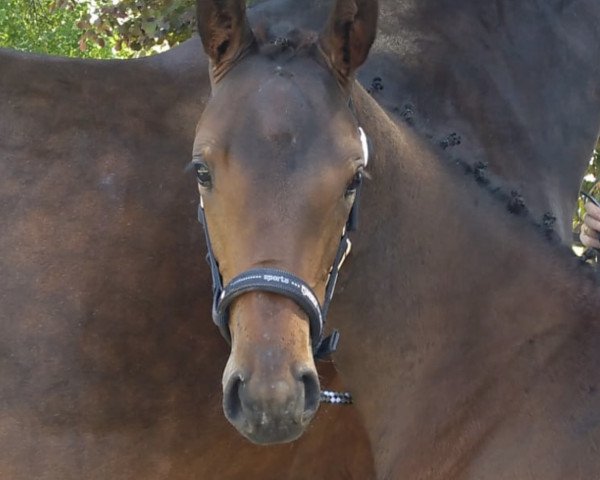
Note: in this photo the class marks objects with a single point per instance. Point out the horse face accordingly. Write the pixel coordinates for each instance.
(277, 153)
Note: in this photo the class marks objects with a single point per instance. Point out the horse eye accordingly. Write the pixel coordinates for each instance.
(354, 183)
(203, 175)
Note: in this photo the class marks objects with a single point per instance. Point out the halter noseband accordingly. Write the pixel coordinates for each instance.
(284, 283)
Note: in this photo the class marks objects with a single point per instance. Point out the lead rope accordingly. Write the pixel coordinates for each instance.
(336, 398)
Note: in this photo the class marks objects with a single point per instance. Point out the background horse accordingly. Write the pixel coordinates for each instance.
(511, 86)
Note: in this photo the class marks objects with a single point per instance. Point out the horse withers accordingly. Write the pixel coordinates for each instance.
(279, 158)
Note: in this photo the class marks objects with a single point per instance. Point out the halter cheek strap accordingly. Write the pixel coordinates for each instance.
(279, 282)
(284, 283)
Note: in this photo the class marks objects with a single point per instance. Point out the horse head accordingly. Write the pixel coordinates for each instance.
(279, 156)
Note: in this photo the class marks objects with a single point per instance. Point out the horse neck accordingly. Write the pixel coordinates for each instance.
(446, 295)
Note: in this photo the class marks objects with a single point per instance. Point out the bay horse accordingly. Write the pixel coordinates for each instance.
(108, 359)
(91, 190)
(474, 356)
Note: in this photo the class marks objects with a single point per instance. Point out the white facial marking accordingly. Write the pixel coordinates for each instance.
(365, 145)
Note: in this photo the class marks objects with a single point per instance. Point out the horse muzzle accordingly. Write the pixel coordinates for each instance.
(273, 411)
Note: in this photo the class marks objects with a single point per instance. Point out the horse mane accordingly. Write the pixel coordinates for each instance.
(585, 295)
(514, 204)
(511, 198)
(477, 169)
(581, 278)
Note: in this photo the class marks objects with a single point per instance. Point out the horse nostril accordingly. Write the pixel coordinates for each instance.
(232, 404)
(312, 394)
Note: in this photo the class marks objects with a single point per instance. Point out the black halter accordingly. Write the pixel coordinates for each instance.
(284, 283)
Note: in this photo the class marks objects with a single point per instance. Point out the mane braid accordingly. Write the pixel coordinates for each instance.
(513, 200)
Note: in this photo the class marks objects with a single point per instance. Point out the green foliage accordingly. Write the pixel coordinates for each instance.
(96, 28)
(591, 185)
(139, 26)
(42, 26)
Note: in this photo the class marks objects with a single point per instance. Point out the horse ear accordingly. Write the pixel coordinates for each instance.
(224, 31)
(349, 34)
